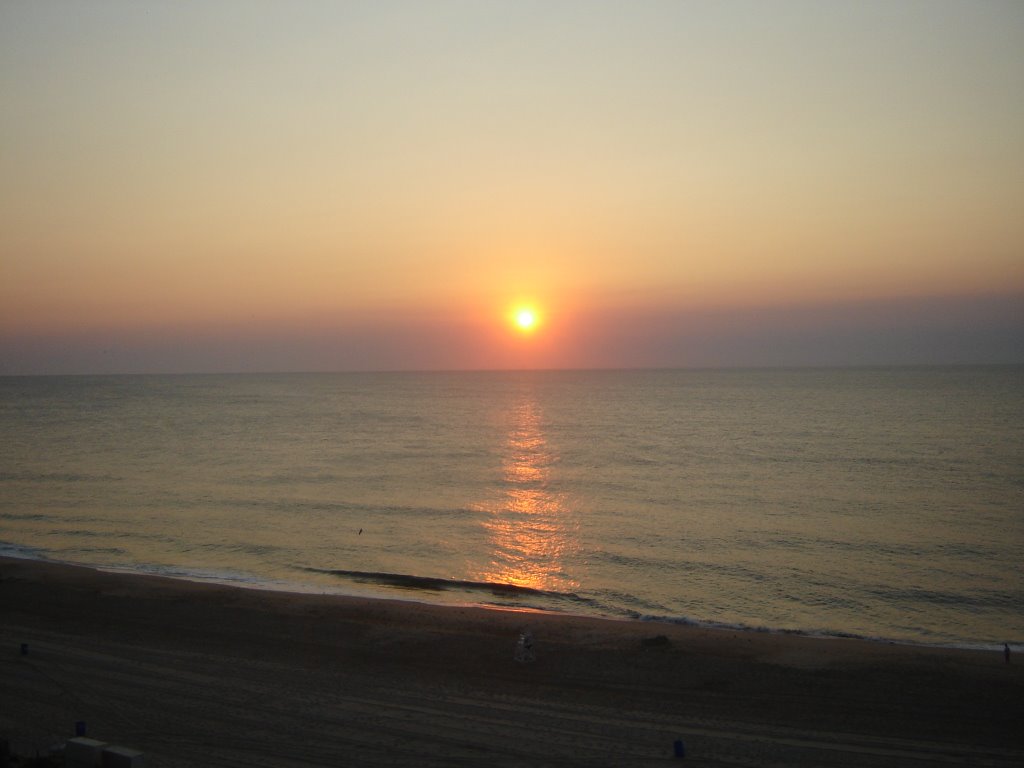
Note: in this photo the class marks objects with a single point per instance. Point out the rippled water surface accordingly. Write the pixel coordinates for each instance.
(884, 502)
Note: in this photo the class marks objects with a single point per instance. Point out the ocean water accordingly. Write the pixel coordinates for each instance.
(883, 503)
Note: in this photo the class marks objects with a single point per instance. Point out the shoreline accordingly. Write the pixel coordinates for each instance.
(200, 673)
(410, 594)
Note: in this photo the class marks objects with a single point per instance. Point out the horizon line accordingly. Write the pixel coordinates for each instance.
(442, 371)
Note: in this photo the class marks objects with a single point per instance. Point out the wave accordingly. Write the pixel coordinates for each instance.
(823, 633)
(438, 584)
(57, 477)
(20, 551)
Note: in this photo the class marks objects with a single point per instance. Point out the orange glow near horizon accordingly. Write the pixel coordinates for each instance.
(454, 215)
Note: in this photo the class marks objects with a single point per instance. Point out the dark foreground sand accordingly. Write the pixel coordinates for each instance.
(203, 675)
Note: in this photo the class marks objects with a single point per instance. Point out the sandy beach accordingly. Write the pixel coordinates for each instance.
(199, 674)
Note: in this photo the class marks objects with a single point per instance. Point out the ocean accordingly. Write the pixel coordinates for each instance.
(883, 503)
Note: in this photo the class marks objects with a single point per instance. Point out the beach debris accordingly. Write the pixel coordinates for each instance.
(658, 641)
(524, 647)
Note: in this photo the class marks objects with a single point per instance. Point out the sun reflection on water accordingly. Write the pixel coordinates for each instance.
(530, 526)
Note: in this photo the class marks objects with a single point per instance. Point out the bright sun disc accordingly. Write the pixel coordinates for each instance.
(526, 319)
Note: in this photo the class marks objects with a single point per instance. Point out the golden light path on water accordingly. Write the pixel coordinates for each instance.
(531, 528)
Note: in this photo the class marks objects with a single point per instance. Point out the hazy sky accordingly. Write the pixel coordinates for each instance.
(208, 186)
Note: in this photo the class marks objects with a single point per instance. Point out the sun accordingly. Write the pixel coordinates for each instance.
(525, 318)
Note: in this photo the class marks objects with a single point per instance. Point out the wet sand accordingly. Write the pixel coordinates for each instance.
(199, 674)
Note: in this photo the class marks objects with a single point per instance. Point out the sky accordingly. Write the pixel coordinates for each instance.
(316, 186)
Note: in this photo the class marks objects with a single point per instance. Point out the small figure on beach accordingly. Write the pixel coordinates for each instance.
(524, 647)
(1006, 652)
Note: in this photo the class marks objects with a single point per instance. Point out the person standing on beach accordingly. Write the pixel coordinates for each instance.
(1006, 652)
